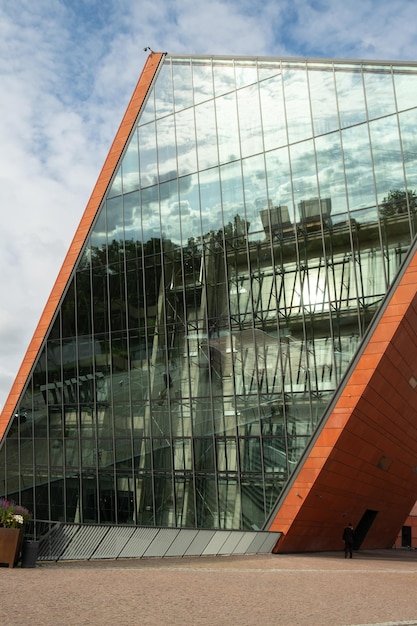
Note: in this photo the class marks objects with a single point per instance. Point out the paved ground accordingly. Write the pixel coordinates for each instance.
(375, 587)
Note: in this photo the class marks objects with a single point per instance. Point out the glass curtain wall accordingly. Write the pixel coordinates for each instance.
(259, 213)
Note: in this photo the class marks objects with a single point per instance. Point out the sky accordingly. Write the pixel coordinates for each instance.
(67, 71)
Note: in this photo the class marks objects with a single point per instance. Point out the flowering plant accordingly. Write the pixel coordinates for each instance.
(13, 515)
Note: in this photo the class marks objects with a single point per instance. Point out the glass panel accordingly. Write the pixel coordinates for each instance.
(304, 180)
(114, 221)
(246, 73)
(147, 154)
(189, 205)
(184, 498)
(132, 223)
(268, 69)
(83, 302)
(117, 296)
(224, 77)
(167, 159)
(379, 94)
(151, 220)
(279, 192)
(229, 502)
(256, 200)
(232, 196)
(202, 81)
(98, 233)
(68, 306)
(297, 104)
(253, 511)
(227, 128)
(407, 125)
(163, 90)
(331, 174)
(207, 506)
(407, 128)
(273, 113)
(249, 120)
(183, 86)
(405, 87)
(116, 187)
(211, 217)
(164, 501)
(206, 135)
(359, 170)
(186, 142)
(169, 211)
(130, 165)
(323, 101)
(147, 113)
(389, 173)
(182, 454)
(350, 97)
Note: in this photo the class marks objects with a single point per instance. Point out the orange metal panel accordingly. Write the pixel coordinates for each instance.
(93, 205)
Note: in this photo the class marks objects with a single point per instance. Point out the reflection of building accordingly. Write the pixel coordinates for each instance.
(207, 362)
(315, 210)
(276, 220)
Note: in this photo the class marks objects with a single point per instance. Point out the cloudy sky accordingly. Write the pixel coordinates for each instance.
(67, 71)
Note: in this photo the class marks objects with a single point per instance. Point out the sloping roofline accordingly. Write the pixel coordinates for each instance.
(369, 63)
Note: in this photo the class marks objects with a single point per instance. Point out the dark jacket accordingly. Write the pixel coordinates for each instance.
(348, 536)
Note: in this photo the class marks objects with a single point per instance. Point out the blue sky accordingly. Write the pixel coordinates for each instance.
(67, 71)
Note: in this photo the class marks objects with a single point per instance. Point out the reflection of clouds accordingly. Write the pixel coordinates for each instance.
(202, 82)
(273, 112)
(379, 94)
(116, 187)
(350, 98)
(130, 181)
(297, 104)
(227, 128)
(183, 208)
(405, 90)
(186, 142)
(323, 101)
(163, 91)
(387, 156)
(224, 77)
(342, 171)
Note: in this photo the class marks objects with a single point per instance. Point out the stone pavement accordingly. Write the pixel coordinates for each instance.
(375, 587)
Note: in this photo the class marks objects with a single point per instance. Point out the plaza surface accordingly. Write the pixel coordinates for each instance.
(375, 587)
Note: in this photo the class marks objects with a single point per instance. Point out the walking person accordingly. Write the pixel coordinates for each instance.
(349, 538)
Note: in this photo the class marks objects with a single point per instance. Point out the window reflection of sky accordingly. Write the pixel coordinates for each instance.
(338, 163)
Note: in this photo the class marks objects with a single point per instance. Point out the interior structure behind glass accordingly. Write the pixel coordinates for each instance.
(259, 213)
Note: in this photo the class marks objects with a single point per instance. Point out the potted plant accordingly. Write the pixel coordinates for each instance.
(13, 519)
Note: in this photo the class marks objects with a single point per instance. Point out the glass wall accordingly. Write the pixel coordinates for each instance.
(257, 218)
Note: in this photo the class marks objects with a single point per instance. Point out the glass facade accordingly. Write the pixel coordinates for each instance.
(258, 215)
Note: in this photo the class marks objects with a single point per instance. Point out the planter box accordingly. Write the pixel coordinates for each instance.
(10, 545)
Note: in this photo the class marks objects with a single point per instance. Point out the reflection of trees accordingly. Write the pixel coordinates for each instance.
(397, 202)
(233, 235)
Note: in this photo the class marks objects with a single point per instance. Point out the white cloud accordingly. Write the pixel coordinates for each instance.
(67, 70)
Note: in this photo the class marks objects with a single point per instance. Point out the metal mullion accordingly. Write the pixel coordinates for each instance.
(204, 276)
(381, 242)
(397, 115)
(351, 239)
(227, 297)
(253, 314)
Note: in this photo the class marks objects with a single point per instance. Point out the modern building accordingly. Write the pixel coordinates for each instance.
(231, 343)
